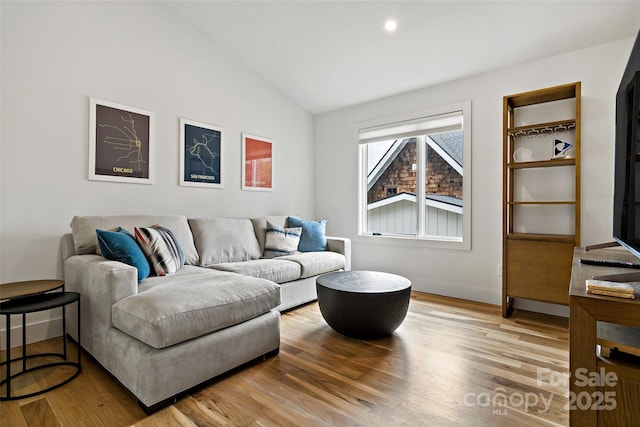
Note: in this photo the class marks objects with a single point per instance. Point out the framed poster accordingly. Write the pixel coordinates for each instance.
(200, 154)
(119, 143)
(257, 163)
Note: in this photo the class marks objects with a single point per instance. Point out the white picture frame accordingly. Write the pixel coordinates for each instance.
(257, 163)
(201, 154)
(120, 143)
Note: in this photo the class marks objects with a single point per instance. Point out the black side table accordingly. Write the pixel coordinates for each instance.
(31, 304)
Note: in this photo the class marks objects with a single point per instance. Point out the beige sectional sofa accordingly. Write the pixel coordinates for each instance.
(166, 334)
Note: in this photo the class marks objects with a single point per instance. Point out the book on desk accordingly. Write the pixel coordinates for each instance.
(612, 289)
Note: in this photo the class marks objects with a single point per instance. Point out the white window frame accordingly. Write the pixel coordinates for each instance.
(404, 124)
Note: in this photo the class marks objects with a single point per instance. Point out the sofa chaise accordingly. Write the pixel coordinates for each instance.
(163, 335)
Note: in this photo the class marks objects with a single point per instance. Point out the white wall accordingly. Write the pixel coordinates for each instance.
(55, 55)
(474, 274)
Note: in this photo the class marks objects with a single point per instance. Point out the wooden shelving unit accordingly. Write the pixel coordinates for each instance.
(536, 256)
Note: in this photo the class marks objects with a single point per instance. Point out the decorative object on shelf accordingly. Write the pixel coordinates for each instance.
(200, 155)
(522, 155)
(534, 130)
(119, 143)
(257, 163)
(562, 149)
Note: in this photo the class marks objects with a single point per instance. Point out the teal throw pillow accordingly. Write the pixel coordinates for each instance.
(313, 234)
(121, 246)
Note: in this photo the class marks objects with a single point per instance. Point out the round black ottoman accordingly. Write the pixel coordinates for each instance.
(363, 304)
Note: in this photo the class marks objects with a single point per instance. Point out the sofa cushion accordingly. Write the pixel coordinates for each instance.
(260, 227)
(276, 270)
(122, 246)
(161, 247)
(313, 234)
(281, 241)
(224, 240)
(86, 241)
(191, 303)
(314, 263)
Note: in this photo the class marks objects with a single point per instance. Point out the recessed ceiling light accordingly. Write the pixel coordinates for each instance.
(390, 26)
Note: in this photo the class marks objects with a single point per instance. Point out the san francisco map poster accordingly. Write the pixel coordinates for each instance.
(200, 154)
(119, 143)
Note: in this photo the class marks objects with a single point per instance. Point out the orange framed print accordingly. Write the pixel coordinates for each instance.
(257, 163)
(120, 143)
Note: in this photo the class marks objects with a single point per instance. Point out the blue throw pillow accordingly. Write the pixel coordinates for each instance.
(313, 234)
(121, 246)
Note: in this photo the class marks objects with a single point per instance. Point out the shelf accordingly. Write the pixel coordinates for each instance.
(543, 163)
(539, 202)
(556, 93)
(542, 128)
(562, 238)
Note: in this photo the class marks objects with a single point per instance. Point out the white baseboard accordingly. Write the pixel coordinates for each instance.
(36, 331)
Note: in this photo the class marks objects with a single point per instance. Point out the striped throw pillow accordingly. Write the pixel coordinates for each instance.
(281, 241)
(161, 248)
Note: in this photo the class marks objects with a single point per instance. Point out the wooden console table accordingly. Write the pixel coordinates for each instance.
(621, 406)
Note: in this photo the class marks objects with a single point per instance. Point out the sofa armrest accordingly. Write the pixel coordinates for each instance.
(100, 283)
(100, 280)
(66, 246)
(341, 245)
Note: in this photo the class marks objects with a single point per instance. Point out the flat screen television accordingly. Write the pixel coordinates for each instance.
(626, 185)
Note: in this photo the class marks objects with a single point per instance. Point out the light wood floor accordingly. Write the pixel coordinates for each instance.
(449, 364)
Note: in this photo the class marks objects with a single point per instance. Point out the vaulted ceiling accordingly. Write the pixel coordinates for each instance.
(326, 55)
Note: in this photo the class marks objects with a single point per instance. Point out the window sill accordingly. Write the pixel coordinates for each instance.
(413, 241)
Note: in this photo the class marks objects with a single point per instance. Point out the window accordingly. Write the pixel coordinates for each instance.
(415, 177)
